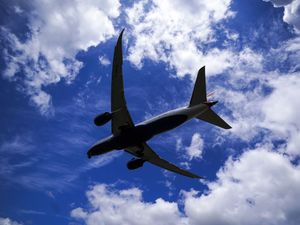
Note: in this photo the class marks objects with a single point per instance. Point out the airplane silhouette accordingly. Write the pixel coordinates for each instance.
(132, 138)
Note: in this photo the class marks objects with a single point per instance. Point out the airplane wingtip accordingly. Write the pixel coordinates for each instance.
(121, 34)
(198, 177)
(119, 42)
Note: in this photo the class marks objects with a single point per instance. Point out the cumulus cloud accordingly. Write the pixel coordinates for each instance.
(104, 61)
(260, 95)
(57, 31)
(261, 187)
(245, 110)
(111, 206)
(268, 108)
(8, 221)
(196, 147)
(291, 11)
(164, 33)
(281, 110)
(292, 14)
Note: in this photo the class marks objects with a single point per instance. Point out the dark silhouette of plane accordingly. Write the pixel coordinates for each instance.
(132, 138)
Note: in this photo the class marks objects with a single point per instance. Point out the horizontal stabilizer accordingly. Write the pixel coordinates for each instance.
(211, 117)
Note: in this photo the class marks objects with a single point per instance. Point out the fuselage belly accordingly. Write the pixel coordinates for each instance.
(144, 131)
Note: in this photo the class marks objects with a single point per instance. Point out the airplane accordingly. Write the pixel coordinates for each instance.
(132, 138)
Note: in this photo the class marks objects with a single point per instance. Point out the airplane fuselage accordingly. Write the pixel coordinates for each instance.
(142, 132)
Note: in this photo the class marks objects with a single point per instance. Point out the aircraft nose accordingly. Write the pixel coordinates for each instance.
(97, 149)
(92, 150)
(89, 154)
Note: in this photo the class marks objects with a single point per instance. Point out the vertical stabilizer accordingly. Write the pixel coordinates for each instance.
(199, 92)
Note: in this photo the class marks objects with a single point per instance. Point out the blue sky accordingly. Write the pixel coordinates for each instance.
(56, 76)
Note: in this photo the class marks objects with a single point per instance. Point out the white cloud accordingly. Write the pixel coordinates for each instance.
(57, 32)
(18, 9)
(292, 14)
(291, 11)
(196, 147)
(104, 61)
(110, 206)
(8, 221)
(171, 32)
(271, 116)
(281, 109)
(287, 54)
(261, 187)
(245, 108)
(180, 38)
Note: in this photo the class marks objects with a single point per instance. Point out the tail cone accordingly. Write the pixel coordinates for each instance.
(210, 104)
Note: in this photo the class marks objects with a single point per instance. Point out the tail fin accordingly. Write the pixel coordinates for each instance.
(199, 97)
(199, 92)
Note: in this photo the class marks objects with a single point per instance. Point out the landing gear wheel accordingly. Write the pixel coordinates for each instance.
(140, 153)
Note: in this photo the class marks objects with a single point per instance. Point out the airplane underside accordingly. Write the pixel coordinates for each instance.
(132, 138)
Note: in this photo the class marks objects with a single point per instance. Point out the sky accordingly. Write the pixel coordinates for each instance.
(55, 78)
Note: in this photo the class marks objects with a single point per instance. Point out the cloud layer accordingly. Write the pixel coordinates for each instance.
(57, 32)
(163, 33)
(261, 187)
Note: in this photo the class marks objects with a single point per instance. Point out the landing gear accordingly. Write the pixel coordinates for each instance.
(140, 152)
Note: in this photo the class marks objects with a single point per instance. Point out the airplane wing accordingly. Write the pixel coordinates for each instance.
(121, 117)
(150, 156)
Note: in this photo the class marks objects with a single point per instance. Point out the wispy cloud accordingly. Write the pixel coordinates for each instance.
(36, 163)
(34, 212)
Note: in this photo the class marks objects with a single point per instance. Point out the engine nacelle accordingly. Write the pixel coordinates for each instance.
(135, 163)
(102, 118)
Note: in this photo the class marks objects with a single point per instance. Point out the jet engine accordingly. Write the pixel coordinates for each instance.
(102, 118)
(135, 163)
